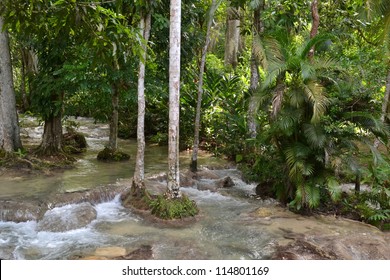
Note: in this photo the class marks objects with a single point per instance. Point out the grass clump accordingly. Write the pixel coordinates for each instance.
(176, 208)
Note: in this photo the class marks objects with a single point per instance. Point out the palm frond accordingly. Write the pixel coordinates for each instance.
(306, 195)
(277, 100)
(315, 94)
(308, 71)
(267, 52)
(315, 135)
(334, 189)
(319, 39)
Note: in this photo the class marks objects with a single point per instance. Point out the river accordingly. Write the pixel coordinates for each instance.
(232, 224)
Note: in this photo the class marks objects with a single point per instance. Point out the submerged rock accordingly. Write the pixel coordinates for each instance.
(21, 211)
(145, 252)
(67, 218)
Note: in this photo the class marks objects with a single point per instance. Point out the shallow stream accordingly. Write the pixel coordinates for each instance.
(232, 224)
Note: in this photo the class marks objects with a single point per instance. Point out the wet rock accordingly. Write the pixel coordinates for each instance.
(214, 185)
(302, 250)
(145, 252)
(110, 252)
(67, 218)
(93, 196)
(354, 246)
(265, 190)
(187, 179)
(207, 174)
(74, 142)
(110, 155)
(21, 211)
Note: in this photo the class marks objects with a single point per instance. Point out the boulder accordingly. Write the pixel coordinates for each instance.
(214, 185)
(68, 217)
(21, 211)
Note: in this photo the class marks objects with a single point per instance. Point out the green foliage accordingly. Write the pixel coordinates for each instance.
(176, 208)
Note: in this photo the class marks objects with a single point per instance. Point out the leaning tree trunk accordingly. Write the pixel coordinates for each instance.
(113, 137)
(255, 76)
(9, 127)
(173, 184)
(232, 40)
(194, 160)
(139, 174)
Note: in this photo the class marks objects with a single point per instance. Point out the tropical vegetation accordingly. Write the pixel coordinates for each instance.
(296, 93)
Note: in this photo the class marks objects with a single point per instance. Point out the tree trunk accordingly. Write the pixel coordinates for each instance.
(232, 37)
(173, 184)
(29, 61)
(113, 137)
(52, 136)
(194, 160)
(315, 24)
(386, 98)
(139, 174)
(9, 127)
(23, 80)
(255, 76)
(385, 105)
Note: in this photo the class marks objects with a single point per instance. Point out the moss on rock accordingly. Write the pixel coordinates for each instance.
(74, 142)
(112, 155)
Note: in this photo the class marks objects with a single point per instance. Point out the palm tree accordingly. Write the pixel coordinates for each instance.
(294, 95)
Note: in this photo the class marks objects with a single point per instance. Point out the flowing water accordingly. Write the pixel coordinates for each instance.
(227, 227)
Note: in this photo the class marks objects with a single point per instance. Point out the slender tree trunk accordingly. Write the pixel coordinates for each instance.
(9, 127)
(255, 76)
(139, 174)
(194, 160)
(23, 80)
(315, 24)
(386, 98)
(173, 184)
(232, 37)
(385, 105)
(113, 137)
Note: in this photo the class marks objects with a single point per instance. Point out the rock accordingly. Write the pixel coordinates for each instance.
(214, 185)
(21, 211)
(110, 252)
(207, 174)
(225, 182)
(263, 212)
(187, 179)
(354, 246)
(145, 252)
(93, 196)
(112, 155)
(265, 190)
(67, 218)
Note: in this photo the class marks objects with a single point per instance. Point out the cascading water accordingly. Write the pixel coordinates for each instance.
(232, 225)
